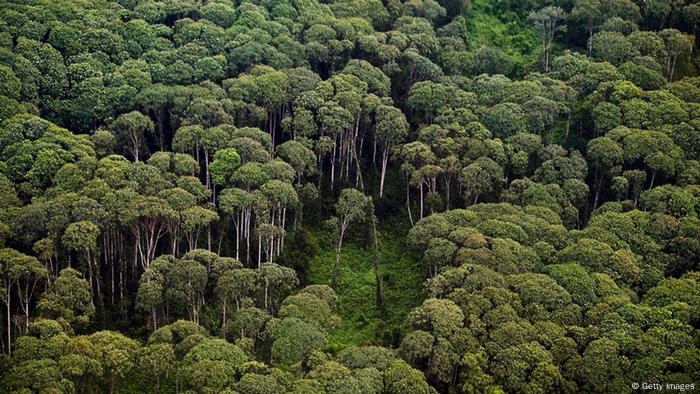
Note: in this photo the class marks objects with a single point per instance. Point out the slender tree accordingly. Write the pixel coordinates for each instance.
(350, 208)
(547, 23)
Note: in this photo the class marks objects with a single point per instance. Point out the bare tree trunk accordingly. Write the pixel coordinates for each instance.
(267, 286)
(421, 200)
(335, 147)
(223, 312)
(155, 318)
(408, 202)
(206, 170)
(8, 301)
(374, 150)
(339, 245)
(673, 67)
(599, 184)
(377, 275)
(208, 237)
(385, 158)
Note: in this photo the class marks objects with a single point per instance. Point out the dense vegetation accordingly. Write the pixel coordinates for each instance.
(349, 196)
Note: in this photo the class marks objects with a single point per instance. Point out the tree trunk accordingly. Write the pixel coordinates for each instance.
(339, 245)
(267, 287)
(385, 157)
(421, 200)
(223, 313)
(154, 317)
(206, 170)
(597, 191)
(8, 300)
(448, 183)
(408, 201)
(377, 275)
(673, 67)
(335, 146)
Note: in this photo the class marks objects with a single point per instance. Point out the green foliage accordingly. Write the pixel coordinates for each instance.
(224, 164)
(487, 196)
(69, 298)
(361, 320)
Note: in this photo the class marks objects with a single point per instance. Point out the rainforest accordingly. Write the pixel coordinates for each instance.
(349, 196)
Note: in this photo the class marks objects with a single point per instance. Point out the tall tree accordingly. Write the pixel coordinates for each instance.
(390, 130)
(547, 23)
(23, 273)
(677, 44)
(69, 297)
(82, 237)
(590, 12)
(130, 129)
(350, 208)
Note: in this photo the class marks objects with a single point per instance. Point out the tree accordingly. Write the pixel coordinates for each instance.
(605, 154)
(36, 375)
(232, 286)
(492, 61)
(602, 366)
(238, 203)
(301, 158)
(248, 323)
(350, 208)
(212, 364)
(473, 375)
(366, 357)
(69, 297)
(223, 166)
(187, 281)
(151, 296)
(130, 130)
(659, 162)
(482, 176)
(527, 366)
(691, 13)
(414, 156)
(541, 114)
(505, 119)
(401, 378)
(293, 339)
(252, 383)
(390, 130)
(606, 116)
(158, 360)
(612, 47)
(427, 98)
(117, 354)
(546, 22)
(276, 281)
(10, 83)
(150, 218)
(23, 272)
(591, 13)
(82, 236)
(677, 44)
(193, 220)
(310, 308)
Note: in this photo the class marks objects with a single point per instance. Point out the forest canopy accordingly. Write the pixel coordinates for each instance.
(340, 196)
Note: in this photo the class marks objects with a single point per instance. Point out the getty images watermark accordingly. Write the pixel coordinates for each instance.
(663, 386)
